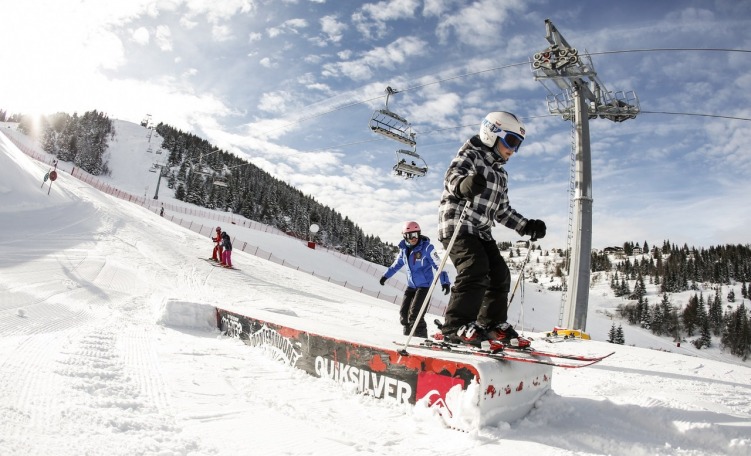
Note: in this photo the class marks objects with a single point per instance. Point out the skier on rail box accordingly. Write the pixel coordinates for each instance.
(478, 307)
(416, 251)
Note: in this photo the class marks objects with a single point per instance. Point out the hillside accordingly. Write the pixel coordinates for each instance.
(106, 348)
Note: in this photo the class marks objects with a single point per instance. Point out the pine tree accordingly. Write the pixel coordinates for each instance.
(620, 339)
(737, 334)
(705, 335)
(624, 290)
(690, 315)
(611, 334)
(656, 320)
(640, 290)
(715, 313)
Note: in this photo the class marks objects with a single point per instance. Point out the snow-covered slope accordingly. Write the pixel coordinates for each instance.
(107, 347)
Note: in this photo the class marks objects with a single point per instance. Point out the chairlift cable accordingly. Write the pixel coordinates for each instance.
(717, 116)
(627, 51)
(436, 130)
(502, 67)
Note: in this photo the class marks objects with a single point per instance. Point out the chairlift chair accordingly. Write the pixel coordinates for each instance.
(392, 125)
(198, 169)
(409, 164)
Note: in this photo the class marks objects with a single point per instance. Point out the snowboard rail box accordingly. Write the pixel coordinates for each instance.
(467, 391)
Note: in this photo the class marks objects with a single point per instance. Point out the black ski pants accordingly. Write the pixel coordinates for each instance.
(410, 309)
(483, 281)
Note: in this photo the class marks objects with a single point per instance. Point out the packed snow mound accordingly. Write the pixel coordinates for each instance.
(183, 314)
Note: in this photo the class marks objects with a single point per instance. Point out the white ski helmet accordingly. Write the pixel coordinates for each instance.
(504, 126)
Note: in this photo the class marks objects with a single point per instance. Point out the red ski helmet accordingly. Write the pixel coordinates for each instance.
(411, 227)
(218, 229)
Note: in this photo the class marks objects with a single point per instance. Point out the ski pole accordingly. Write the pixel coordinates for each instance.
(457, 228)
(521, 273)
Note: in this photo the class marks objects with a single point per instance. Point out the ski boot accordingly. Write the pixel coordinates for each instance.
(469, 334)
(503, 334)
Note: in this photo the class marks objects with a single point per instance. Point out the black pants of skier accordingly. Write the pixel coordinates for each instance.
(410, 309)
(483, 281)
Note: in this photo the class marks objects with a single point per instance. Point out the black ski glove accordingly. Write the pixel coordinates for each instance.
(446, 288)
(383, 280)
(472, 185)
(535, 229)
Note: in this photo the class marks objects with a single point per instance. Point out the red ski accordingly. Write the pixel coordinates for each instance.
(515, 355)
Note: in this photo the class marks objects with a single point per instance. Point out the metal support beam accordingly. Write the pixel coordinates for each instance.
(575, 311)
(583, 97)
(158, 182)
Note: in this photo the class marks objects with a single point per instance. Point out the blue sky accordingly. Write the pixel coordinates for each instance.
(291, 85)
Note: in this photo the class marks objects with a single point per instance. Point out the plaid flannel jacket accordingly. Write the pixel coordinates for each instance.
(490, 206)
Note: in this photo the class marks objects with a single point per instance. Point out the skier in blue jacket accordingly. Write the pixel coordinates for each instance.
(416, 251)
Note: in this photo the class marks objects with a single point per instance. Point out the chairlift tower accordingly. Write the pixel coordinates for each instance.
(583, 96)
(161, 170)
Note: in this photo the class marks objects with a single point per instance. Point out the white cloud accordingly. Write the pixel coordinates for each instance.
(480, 23)
(289, 26)
(141, 36)
(188, 23)
(221, 33)
(396, 53)
(163, 38)
(216, 11)
(371, 19)
(436, 7)
(267, 62)
(332, 28)
(275, 102)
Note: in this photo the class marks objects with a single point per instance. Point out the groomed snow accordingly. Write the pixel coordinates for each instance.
(108, 347)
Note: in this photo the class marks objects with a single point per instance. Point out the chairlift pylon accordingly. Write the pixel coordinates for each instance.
(392, 125)
(409, 164)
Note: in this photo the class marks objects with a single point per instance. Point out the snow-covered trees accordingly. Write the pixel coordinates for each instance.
(255, 194)
(615, 335)
(82, 140)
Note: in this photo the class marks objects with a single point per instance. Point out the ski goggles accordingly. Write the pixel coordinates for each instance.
(412, 235)
(511, 140)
